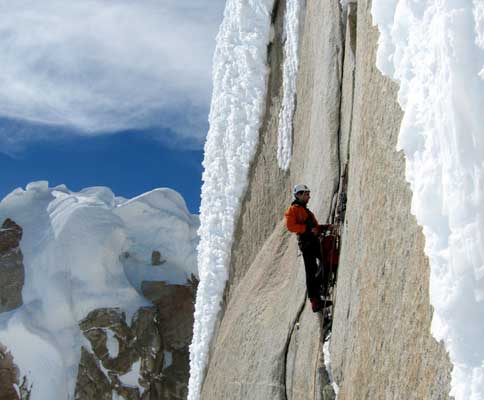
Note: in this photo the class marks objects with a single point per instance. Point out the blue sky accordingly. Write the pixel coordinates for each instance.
(106, 93)
(130, 163)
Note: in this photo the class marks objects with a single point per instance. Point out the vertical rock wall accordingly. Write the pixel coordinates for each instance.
(381, 346)
(248, 360)
(317, 118)
(268, 344)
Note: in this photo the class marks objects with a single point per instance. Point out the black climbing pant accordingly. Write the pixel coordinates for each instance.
(315, 276)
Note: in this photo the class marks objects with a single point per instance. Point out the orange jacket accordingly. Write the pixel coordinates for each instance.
(296, 216)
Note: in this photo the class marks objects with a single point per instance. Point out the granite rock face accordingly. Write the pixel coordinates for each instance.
(268, 343)
(12, 273)
(382, 347)
(248, 360)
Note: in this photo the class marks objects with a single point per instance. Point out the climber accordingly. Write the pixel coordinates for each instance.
(300, 220)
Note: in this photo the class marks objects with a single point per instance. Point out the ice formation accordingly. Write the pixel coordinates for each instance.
(240, 85)
(289, 75)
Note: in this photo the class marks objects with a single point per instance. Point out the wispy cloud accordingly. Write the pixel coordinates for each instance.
(99, 66)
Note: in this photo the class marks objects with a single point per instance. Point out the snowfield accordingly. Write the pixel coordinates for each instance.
(74, 246)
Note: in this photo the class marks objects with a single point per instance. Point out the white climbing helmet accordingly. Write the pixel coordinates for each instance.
(299, 188)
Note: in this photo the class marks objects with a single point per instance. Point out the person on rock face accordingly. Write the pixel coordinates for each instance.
(300, 220)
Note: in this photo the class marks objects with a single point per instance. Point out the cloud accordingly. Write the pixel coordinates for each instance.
(102, 66)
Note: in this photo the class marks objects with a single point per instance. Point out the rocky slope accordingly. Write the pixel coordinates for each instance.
(268, 343)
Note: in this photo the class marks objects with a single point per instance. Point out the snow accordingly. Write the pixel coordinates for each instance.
(167, 359)
(132, 376)
(17, 389)
(289, 75)
(111, 343)
(36, 355)
(143, 215)
(73, 245)
(238, 103)
(329, 368)
(159, 220)
(435, 50)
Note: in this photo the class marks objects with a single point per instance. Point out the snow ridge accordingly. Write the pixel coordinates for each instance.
(238, 103)
(74, 246)
(434, 49)
(289, 75)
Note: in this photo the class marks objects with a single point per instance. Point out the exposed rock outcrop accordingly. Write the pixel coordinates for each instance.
(12, 274)
(175, 306)
(152, 351)
(9, 376)
(268, 344)
(12, 386)
(156, 258)
(92, 383)
(118, 349)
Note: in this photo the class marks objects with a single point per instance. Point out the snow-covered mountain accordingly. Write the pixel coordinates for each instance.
(84, 252)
